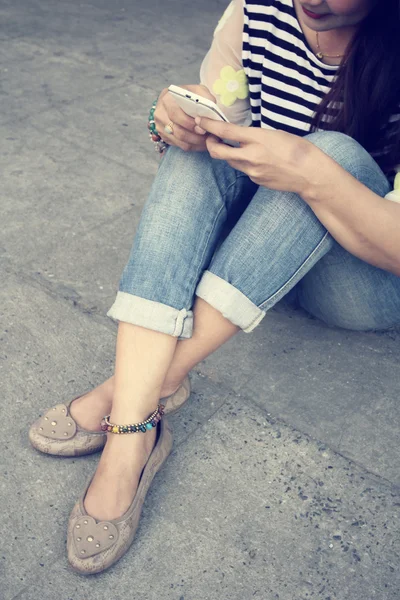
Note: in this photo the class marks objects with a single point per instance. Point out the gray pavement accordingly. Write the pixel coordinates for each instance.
(284, 481)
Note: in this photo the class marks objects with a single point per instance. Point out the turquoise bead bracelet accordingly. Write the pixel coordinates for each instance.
(155, 137)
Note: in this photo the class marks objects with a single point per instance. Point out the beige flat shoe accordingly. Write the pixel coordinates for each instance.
(58, 434)
(93, 546)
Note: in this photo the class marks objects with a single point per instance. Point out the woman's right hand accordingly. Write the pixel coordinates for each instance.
(186, 134)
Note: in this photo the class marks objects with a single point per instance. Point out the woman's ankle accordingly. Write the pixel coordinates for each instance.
(170, 386)
(131, 411)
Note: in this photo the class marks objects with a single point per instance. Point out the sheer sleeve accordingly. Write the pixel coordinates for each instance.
(222, 69)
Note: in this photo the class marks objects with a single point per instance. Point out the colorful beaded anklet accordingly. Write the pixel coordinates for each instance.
(146, 425)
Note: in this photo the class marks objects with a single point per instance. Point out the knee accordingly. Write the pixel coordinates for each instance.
(178, 175)
(350, 155)
(336, 143)
(183, 163)
(193, 170)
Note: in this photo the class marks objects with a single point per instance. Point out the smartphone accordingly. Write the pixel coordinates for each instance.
(198, 106)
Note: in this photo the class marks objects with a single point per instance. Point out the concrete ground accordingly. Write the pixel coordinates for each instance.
(284, 481)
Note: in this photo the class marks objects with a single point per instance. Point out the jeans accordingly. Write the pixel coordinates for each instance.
(207, 230)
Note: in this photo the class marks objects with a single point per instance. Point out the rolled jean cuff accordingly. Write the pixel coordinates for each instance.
(152, 315)
(229, 301)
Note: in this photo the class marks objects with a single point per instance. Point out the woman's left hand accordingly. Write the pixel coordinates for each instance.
(271, 158)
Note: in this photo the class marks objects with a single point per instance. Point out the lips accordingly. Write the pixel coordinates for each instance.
(313, 15)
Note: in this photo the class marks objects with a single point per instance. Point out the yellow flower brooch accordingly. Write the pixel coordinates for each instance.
(232, 85)
(395, 194)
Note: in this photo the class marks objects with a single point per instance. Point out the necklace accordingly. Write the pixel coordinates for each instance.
(321, 55)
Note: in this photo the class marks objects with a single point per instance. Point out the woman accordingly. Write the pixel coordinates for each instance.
(309, 214)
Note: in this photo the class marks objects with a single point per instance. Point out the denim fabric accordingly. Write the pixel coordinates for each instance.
(181, 249)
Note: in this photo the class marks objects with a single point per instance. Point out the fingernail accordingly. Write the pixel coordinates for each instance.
(197, 120)
(199, 130)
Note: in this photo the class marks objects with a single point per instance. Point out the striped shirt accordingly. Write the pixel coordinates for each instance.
(286, 80)
(263, 72)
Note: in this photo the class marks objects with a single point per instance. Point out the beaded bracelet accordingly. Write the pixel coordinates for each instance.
(155, 137)
(144, 426)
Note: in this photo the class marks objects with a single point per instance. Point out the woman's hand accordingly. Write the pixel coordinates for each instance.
(273, 159)
(184, 136)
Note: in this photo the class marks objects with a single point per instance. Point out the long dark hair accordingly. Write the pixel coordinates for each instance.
(367, 87)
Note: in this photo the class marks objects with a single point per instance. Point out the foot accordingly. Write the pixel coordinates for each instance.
(117, 477)
(88, 410)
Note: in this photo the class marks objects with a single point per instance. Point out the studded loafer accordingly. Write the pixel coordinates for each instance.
(58, 434)
(93, 546)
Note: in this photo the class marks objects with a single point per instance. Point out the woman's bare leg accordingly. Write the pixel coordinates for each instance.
(147, 363)
(136, 395)
(210, 331)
